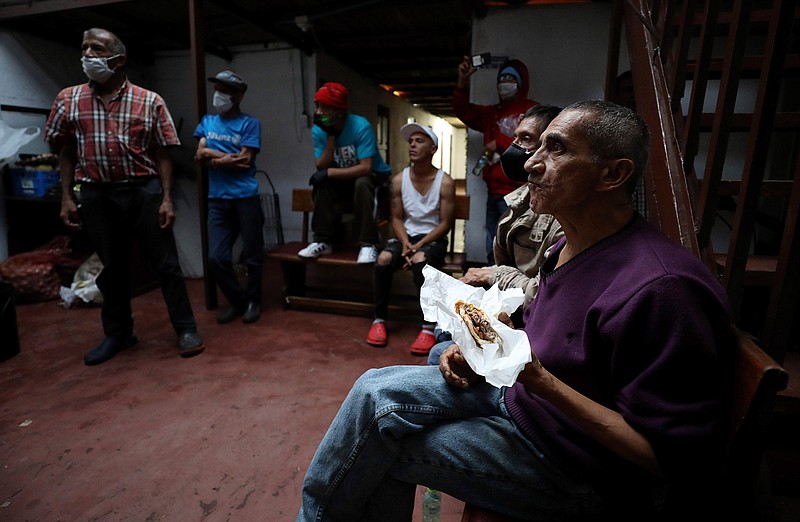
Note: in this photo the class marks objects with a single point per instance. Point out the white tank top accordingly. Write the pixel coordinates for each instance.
(422, 210)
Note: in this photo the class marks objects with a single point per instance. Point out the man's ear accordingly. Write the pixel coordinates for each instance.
(120, 60)
(617, 173)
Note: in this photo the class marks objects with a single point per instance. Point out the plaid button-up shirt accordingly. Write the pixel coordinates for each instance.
(117, 141)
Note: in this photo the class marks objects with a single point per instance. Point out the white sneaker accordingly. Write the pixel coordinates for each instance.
(315, 249)
(367, 254)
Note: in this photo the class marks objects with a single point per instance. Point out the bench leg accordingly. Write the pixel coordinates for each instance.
(294, 279)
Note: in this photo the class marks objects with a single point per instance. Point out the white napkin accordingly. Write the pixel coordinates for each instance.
(499, 364)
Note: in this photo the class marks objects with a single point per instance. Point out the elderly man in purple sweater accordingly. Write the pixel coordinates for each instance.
(622, 406)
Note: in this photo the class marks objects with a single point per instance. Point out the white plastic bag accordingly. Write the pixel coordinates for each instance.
(499, 363)
(84, 284)
(11, 139)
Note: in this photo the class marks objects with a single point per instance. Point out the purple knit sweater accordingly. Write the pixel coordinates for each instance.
(640, 325)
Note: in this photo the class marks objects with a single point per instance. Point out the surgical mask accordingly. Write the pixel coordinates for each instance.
(506, 90)
(97, 69)
(222, 102)
(513, 162)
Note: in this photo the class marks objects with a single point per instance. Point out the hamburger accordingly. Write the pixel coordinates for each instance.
(478, 323)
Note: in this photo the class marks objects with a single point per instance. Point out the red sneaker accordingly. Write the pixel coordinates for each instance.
(423, 343)
(377, 335)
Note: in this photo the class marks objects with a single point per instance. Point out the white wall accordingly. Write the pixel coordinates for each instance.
(28, 81)
(275, 96)
(566, 64)
(563, 46)
(365, 97)
(34, 70)
(281, 84)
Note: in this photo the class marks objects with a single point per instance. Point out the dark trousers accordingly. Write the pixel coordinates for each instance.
(496, 206)
(330, 193)
(227, 220)
(114, 215)
(383, 274)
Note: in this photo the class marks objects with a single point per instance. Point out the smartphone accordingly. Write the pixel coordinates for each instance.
(481, 60)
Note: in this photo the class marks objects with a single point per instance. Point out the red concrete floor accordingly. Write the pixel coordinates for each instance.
(226, 435)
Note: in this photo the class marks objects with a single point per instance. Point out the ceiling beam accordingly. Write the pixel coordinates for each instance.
(50, 6)
(299, 40)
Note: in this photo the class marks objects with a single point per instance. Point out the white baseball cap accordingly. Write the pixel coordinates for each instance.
(410, 128)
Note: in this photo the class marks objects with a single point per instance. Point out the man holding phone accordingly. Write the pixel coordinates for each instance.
(481, 60)
(497, 123)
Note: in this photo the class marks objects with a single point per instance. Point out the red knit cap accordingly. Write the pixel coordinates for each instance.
(333, 95)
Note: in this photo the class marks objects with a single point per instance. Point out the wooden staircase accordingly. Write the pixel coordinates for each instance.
(717, 81)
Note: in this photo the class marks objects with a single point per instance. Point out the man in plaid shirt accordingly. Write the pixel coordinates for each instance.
(113, 137)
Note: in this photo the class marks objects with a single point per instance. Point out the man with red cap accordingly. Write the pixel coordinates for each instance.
(349, 168)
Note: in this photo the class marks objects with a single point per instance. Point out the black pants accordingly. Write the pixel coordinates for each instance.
(382, 283)
(229, 219)
(361, 192)
(114, 215)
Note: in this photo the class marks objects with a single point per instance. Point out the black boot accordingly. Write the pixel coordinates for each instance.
(110, 347)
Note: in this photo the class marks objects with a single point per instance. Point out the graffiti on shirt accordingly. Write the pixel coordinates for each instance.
(233, 139)
(346, 156)
(508, 124)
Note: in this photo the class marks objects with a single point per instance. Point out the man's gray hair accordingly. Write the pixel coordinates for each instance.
(615, 132)
(115, 44)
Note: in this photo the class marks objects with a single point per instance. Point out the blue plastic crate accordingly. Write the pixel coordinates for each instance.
(33, 183)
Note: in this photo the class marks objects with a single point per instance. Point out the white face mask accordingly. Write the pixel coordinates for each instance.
(506, 90)
(97, 69)
(222, 102)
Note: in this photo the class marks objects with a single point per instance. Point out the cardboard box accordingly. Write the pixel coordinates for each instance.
(33, 183)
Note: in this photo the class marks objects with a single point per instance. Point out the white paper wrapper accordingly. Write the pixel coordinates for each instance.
(500, 366)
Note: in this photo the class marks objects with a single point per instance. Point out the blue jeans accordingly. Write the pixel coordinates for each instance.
(443, 342)
(227, 220)
(496, 206)
(404, 425)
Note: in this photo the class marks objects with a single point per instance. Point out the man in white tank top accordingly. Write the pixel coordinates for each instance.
(423, 212)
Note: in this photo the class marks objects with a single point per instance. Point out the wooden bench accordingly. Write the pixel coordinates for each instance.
(347, 297)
